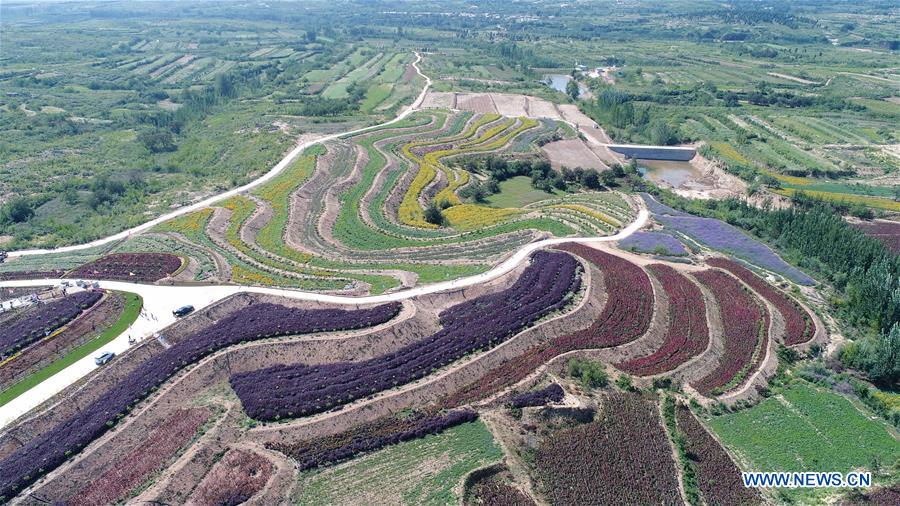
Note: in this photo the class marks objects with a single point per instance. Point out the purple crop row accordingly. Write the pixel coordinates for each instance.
(658, 208)
(723, 237)
(653, 242)
(552, 393)
(299, 389)
(370, 437)
(44, 453)
(43, 320)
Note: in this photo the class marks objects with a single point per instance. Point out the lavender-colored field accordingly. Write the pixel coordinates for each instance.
(721, 236)
(656, 207)
(653, 242)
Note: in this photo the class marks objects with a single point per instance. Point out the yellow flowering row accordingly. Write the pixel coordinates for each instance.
(472, 216)
(729, 152)
(460, 179)
(794, 180)
(244, 276)
(190, 225)
(491, 132)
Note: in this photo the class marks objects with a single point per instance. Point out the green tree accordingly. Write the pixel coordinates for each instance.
(591, 374)
(17, 210)
(434, 215)
(662, 134)
(589, 179)
(572, 89)
(878, 355)
(158, 141)
(608, 178)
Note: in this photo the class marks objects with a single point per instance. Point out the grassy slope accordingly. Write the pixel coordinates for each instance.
(813, 430)
(424, 471)
(517, 192)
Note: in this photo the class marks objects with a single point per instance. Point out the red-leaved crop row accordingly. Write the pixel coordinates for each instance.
(686, 335)
(370, 436)
(129, 267)
(625, 317)
(799, 326)
(45, 452)
(234, 479)
(295, 390)
(151, 454)
(745, 323)
(718, 477)
(44, 319)
(623, 458)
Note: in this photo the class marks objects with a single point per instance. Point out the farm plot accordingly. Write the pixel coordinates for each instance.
(371, 436)
(625, 317)
(585, 464)
(338, 89)
(718, 478)
(300, 390)
(657, 243)
(723, 237)
(888, 232)
(148, 457)
(422, 471)
(513, 106)
(573, 153)
(43, 320)
(29, 369)
(130, 267)
(687, 334)
(800, 326)
(44, 453)
(745, 336)
(99, 316)
(477, 103)
(233, 480)
(805, 429)
(439, 100)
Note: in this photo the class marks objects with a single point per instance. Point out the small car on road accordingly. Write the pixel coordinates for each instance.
(183, 311)
(104, 357)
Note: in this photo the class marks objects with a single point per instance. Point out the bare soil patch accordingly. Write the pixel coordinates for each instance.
(572, 153)
(475, 102)
(513, 106)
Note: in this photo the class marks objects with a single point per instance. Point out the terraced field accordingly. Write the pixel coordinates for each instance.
(326, 385)
(349, 215)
